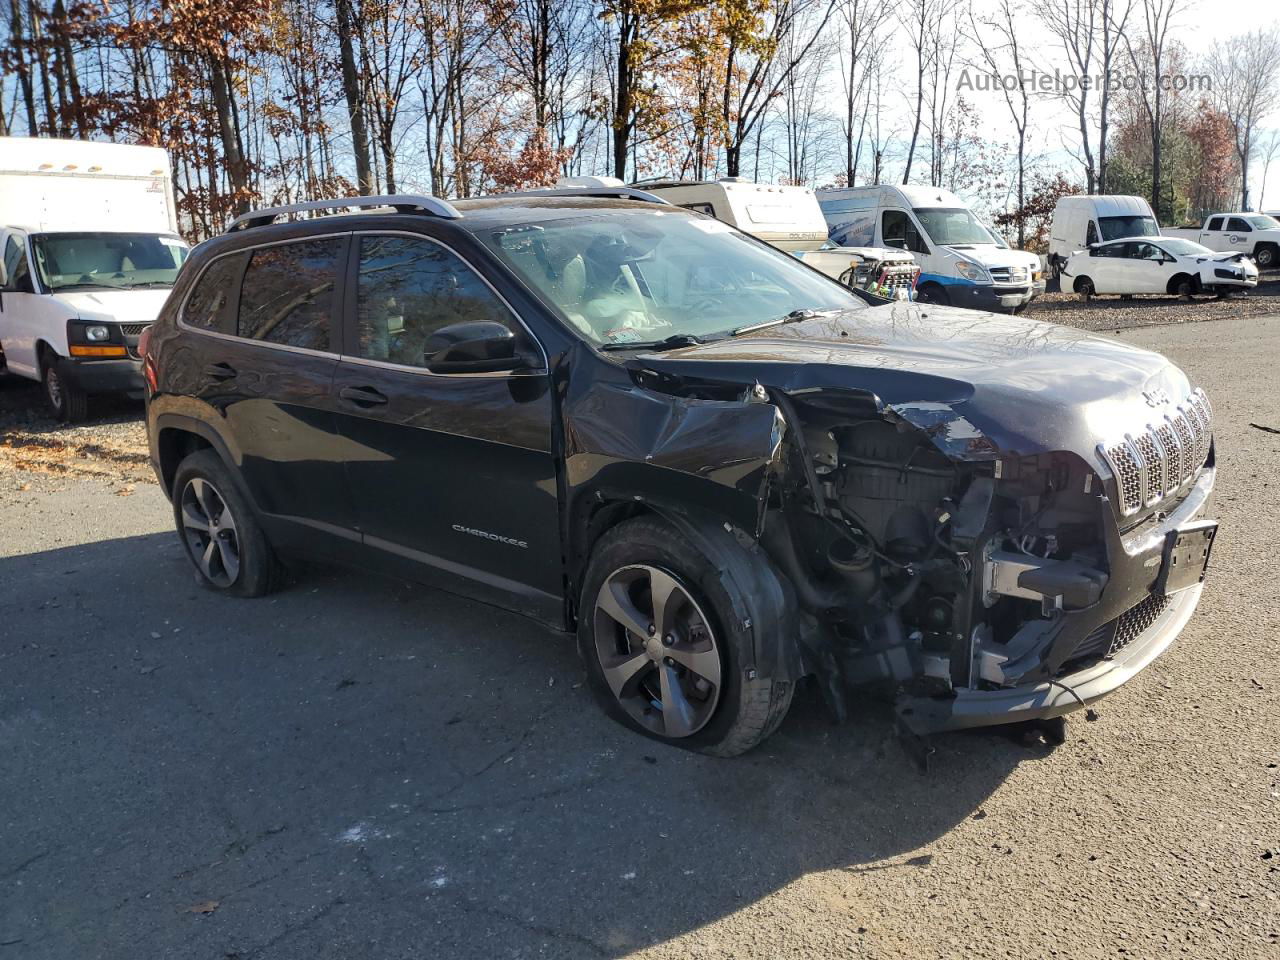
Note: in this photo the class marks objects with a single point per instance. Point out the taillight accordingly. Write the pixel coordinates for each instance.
(149, 370)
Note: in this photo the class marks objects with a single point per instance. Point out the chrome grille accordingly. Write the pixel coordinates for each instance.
(1154, 463)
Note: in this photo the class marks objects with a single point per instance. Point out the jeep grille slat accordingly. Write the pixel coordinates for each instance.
(1154, 463)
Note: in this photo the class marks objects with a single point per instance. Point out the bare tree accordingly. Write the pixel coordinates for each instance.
(863, 22)
(1004, 55)
(1148, 57)
(1269, 149)
(1245, 71)
(922, 20)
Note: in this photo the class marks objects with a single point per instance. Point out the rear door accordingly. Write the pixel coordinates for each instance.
(451, 473)
(1106, 268)
(270, 319)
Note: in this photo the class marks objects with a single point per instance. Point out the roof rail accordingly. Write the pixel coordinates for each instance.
(403, 203)
(626, 193)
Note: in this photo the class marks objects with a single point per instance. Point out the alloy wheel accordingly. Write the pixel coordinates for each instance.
(210, 532)
(657, 651)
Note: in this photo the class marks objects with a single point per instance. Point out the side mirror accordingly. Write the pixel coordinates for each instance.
(476, 346)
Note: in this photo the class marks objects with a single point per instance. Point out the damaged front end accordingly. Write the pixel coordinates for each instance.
(975, 581)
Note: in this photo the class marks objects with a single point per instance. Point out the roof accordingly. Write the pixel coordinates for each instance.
(515, 208)
(1110, 205)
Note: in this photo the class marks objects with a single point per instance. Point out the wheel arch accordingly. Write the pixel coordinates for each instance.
(765, 606)
(1078, 284)
(1177, 279)
(177, 437)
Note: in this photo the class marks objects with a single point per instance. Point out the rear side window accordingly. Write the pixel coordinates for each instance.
(208, 306)
(408, 289)
(1215, 224)
(287, 296)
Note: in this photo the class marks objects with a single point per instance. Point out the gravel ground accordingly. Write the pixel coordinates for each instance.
(359, 768)
(1111, 314)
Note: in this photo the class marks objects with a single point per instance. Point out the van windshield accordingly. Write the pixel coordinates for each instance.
(636, 277)
(107, 261)
(1113, 228)
(952, 226)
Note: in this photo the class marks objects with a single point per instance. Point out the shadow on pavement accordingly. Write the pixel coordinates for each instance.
(362, 768)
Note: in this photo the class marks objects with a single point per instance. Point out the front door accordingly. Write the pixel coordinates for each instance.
(453, 473)
(25, 314)
(1145, 269)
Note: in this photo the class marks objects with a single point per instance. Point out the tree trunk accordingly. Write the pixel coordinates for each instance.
(623, 121)
(20, 45)
(237, 169)
(355, 102)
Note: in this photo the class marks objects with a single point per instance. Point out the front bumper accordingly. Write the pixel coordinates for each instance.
(1131, 583)
(993, 299)
(103, 376)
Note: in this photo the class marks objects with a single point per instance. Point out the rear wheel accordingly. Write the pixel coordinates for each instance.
(651, 633)
(1265, 256)
(223, 539)
(68, 402)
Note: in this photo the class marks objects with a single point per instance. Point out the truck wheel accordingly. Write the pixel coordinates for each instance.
(1084, 287)
(932, 293)
(224, 542)
(1265, 256)
(69, 403)
(651, 633)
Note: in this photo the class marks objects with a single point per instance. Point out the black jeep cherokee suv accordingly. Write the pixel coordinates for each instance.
(721, 469)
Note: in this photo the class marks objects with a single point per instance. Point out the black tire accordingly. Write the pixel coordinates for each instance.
(67, 401)
(745, 711)
(1084, 287)
(1266, 256)
(256, 570)
(1185, 288)
(932, 293)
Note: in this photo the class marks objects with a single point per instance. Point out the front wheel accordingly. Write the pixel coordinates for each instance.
(1084, 287)
(652, 634)
(224, 542)
(67, 401)
(932, 293)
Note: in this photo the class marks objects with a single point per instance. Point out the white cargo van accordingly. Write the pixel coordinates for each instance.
(89, 249)
(782, 216)
(962, 262)
(1080, 222)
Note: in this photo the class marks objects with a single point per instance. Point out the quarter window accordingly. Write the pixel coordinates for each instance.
(408, 289)
(287, 294)
(207, 307)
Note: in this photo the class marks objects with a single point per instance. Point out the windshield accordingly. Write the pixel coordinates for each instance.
(107, 261)
(952, 226)
(1184, 248)
(1113, 228)
(1264, 223)
(641, 276)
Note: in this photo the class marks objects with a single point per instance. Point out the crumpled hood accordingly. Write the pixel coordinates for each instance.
(120, 306)
(983, 385)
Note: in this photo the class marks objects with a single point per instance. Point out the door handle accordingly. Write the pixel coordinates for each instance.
(220, 371)
(363, 396)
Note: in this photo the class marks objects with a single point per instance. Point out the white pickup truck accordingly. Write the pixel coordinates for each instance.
(1254, 234)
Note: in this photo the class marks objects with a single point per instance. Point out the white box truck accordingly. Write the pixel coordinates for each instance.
(90, 249)
(1080, 222)
(962, 263)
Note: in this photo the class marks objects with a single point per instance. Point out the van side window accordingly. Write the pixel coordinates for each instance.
(408, 289)
(1091, 235)
(16, 270)
(287, 293)
(208, 306)
(898, 231)
(858, 231)
(706, 208)
(1238, 225)
(1215, 224)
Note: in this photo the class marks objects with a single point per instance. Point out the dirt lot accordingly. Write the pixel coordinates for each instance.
(1107, 314)
(356, 768)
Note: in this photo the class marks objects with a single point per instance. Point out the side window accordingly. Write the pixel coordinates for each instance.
(898, 231)
(858, 231)
(408, 289)
(287, 293)
(1215, 224)
(706, 208)
(1238, 225)
(208, 305)
(1091, 235)
(16, 271)
(1145, 251)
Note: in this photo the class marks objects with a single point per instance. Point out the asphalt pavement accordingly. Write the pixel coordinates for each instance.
(360, 768)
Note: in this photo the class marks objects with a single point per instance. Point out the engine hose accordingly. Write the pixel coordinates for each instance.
(812, 595)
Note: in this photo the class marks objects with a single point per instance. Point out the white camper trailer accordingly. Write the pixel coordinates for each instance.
(90, 249)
